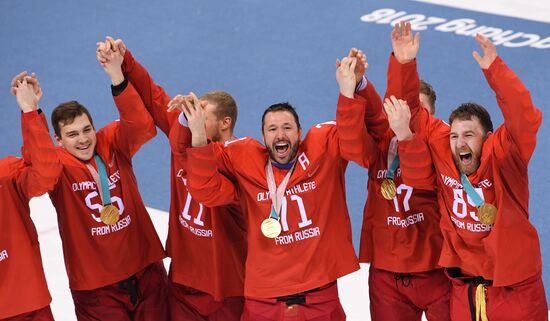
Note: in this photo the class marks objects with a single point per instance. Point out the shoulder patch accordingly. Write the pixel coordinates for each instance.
(331, 122)
(229, 142)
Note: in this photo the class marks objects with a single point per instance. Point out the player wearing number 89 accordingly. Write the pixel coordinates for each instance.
(300, 185)
(400, 237)
(490, 249)
(115, 271)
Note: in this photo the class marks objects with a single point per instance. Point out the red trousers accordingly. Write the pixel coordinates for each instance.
(317, 305)
(142, 297)
(525, 301)
(44, 314)
(400, 296)
(188, 304)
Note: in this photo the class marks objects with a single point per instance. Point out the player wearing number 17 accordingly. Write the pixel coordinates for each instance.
(490, 249)
(113, 257)
(293, 196)
(400, 237)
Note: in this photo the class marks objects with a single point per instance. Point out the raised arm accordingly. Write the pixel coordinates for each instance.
(43, 167)
(355, 143)
(180, 134)
(374, 118)
(417, 169)
(136, 126)
(153, 96)
(416, 163)
(521, 118)
(205, 162)
(403, 80)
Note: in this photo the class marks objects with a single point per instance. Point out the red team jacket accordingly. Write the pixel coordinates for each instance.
(399, 235)
(23, 285)
(507, 252)
(97, 254)
(315, 246)
(207, 244)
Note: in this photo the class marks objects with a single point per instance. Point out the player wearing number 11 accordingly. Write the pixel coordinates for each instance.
(492, 256)
(207, 245)
(291, 270)
(113, 263)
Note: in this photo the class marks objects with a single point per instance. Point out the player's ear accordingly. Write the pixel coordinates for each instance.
(58, 140)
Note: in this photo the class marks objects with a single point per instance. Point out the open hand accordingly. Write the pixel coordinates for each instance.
(399, 117)
(405, 46)
(489, 52)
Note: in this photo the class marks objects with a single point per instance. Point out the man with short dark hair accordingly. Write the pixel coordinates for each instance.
(24, 292)
(112, 253)
(491, 251)
(293, 195)
(207, 244)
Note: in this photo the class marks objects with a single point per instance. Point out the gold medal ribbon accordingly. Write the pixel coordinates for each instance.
(271, 227)
(276, 192)
(387, 188)
(486, 212)
(109, 213)
(393, 158)
(481, 303)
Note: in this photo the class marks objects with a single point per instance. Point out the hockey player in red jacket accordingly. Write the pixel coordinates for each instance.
(207, 244)
(490, 249)
(113, 255)
(292, 193)
(24, 293)
(400, 236)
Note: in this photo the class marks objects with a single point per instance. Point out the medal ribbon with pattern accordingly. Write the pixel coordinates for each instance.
(388, 185)
(109, 212)
(271, 226)
(486, 212)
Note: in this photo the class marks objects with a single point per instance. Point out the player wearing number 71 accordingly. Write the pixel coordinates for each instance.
(491, 251)
(293, 196)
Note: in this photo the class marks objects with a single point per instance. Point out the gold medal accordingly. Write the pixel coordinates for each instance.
(109, 214)
(271, 228)
(388, 189)
(487, 213)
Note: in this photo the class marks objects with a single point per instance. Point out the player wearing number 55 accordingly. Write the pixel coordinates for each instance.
(112, 253)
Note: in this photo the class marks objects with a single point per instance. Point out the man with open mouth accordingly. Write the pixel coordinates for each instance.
(491, 251)
(292, 192)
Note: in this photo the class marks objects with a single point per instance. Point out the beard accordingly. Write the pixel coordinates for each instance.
(471, 166)
(293, 152)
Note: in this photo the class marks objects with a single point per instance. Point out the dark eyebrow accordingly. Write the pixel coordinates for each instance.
(466, 132)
